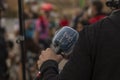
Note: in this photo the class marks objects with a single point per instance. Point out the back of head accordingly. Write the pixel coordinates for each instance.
(113, 4)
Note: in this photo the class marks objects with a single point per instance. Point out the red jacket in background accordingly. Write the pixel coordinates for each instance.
(96, 19)
(64, 23)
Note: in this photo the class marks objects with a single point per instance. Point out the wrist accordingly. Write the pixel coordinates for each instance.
(49, 64)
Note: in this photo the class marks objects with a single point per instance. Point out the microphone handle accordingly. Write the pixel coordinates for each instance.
(39, 76)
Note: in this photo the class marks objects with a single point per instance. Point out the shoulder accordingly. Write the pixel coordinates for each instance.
(99, 24)
(91, 32)
(94, 28)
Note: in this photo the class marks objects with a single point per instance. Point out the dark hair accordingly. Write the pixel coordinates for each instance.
(113, 3)
(98, 5)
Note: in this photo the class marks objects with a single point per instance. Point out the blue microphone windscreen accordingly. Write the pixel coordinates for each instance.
(65, 40)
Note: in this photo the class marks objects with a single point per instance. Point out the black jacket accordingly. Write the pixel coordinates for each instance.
(96, 55)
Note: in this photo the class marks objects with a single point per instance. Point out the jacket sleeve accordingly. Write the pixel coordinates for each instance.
(77, 68)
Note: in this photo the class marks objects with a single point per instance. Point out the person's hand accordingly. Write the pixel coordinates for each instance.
(48, 54)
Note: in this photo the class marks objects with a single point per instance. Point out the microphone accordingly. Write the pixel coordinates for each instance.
(65, 40)
(63, 43)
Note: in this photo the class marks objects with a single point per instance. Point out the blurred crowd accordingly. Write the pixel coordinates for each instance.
(41, 23)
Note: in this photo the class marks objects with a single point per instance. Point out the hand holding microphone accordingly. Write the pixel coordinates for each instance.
(48, 54)
(62, 45)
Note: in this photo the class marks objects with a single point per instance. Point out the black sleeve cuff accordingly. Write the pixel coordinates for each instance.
(48, 65)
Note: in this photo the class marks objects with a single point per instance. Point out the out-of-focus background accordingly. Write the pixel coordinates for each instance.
(42, 19)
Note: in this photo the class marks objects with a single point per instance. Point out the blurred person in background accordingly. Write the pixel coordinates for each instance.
(14, 57)
(64, 21)
(3, 47)
(42, 29)
(34, 9)
(85, 18)
(12, 62)
(27, 13)
(30, 42)
(32, 48)
(81, 24)
(96, 11)
(81, 15)
(3, 55)
(31, 45)
(78, 14)
(52, 26)
(31, 10)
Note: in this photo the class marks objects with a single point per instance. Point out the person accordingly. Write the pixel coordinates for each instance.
(80, 26)
(31, 45)
(3, 47)
(11, 61)
(96, 11)
(3, 55)
(82, 15)
(96, 55)
(64, 21)
(42, 29)
(27, 14)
